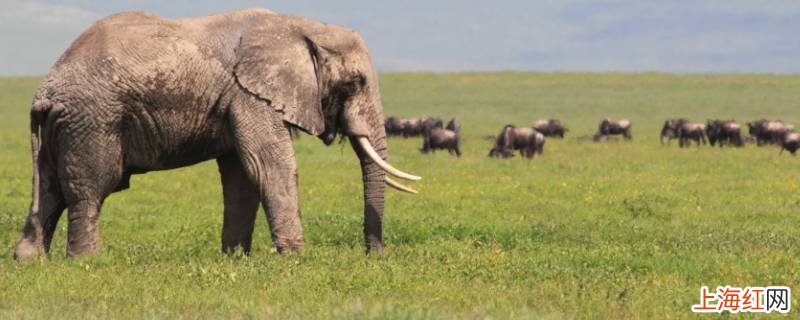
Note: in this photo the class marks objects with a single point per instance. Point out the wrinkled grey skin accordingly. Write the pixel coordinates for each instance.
(527, 140)
(137, 93)
(722, 132)
(441, 138)
(790, 141)
(550, 128)
(609, 127)
(768, 132)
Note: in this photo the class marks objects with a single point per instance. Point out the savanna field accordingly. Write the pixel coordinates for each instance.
(589, 230)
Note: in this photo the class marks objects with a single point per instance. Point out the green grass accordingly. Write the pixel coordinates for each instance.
(613, 230)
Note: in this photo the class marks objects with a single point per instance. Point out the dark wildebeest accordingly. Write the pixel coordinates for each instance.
(527, 140)
(610, 127)
(443, 138)
(768, 132)
(724, 132)
(790, 141)
(686, 130)
(410, 127)
(670, 130)
(417, 126)
(550, 128)
(394, 126)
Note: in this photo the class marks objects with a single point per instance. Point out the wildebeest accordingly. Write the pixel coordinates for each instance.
(550, 128)
(410, 127)
(610, 127)
(724, 132)
(417, 126)
(394, 126)
(691, 131)
(768, 132)
(684, 130)
(670, 130)
(527, 140)
(443, 138)
(790, 141)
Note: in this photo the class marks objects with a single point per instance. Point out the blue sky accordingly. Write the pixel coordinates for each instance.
(463, 35)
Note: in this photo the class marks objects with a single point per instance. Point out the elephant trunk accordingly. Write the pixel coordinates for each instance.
(374, 178)
(363, 123)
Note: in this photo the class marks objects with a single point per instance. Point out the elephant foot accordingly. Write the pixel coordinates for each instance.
(375, 248)
(85, 250)
(82, 244)
(27, 250)
(289, 245)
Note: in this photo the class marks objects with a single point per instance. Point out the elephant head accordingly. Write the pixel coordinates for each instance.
(321, 78)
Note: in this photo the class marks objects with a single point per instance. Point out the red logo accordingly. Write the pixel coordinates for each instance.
(749, 299)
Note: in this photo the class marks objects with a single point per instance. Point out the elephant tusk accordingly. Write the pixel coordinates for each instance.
(364, 142)
(398, 186)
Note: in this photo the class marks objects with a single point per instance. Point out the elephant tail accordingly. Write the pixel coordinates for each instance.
(38, 113)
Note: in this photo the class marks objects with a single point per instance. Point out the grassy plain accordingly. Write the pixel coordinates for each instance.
(613, 230)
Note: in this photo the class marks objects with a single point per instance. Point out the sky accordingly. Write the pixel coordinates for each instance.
(680, 36)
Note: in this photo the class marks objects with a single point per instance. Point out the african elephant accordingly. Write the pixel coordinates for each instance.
(550, 128)
(768, 132)
(527, 140)
(610, 127)
(136, 93)
(443, 138)
(722, 132)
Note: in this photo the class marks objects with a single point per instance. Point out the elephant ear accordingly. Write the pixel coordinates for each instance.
(278, 64)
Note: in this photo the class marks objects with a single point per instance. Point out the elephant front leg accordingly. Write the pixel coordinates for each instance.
(267, 155)
(241, 204)
(83, 236)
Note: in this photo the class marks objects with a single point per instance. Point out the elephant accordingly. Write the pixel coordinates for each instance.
(443, 138)
(527, 140)
(683, 130)
(764, 131)
(790, 141)
(136, 93)
(609, 127)
(550, 128)
(723, 132)
(294, 133)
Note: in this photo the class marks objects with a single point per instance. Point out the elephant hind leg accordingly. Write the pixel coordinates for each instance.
(88, 173)
(241, 204)
(40, 225)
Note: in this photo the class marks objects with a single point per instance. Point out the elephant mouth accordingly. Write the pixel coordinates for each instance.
(327, 137)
